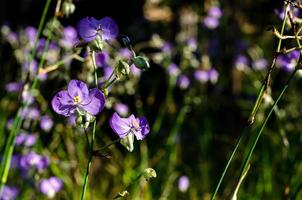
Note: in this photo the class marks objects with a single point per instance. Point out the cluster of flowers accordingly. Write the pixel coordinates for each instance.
(211, 21)
(77, 102)
(190, 68)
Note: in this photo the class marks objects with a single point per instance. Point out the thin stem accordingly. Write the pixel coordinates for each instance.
(9, 146)
(255, 107)
(159, 119)
(106, 146)
(246, 162)
(266, 82)
(83, 192)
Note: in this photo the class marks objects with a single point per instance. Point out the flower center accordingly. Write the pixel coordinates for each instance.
(135, 125)
(76, 99)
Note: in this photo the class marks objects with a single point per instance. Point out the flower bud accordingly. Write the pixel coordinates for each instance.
(123, 69)
(128, 142)
(141, 62)
(96, 44)
(149, 173)
(68, 8)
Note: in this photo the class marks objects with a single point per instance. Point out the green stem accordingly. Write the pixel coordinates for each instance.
(9, 146)
(83, 192)
(159, 119)
(247, 159)
(254, 110)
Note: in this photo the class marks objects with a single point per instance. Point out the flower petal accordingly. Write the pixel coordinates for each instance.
(87, 28)
(109, 28)
(144, 128)
(96, 103)
(121, 126)
(62, 103)
(78, 88)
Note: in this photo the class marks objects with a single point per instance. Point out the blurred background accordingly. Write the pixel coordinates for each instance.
(208, 60)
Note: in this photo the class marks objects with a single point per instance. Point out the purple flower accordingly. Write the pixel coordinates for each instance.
(51, 186)
(211, 22)
(14, 87)
(89, 28)
(25, 139)
(241, 62)
(69, 37)
(121, 109)
(30, 113)
(201, 76)
(9, 193)
(125, 53)
(213, 75)
(167, 47)
(34, 160)
(46, 123)
(135, 71)
(215, 12)
(260, 64)
(183, 183)
(131, 125)
(102, 58)
(183, 82)
(173, 70)
(78, 96)
(288, 61)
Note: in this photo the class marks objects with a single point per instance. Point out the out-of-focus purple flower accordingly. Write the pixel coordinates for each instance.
(121, 109)
(167, 47)
(27, 97)
(125, 53)
(183, 183)
(213, 75)
(25, 139)
(49, 187)
(210, 22)
(69, 37)
(192, 43)
(9, 193)
(34, 160)
(173, 70)
(31, 33)
(14, 87)
(107, 71)
(72, 120)
(135, 71)
(9, 123)
(12, 38)
(102, 58)
(31, 67)
(183, 82)
(46, 123)
(241, 62)
(201, 76)
(215, 12)
(131, 125)
(295, 11)
(78, 96)
(288, 61)
(260, 64)
(89, 28)
(30, 113)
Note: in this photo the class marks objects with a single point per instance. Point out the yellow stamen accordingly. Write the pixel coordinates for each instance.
(76, 99)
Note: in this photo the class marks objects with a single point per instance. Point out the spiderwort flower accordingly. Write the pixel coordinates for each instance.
(78, 98)
(89, 28)
(9, 193)
(34, 160)
(127, 128)
(183, 183)
(51, 186)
